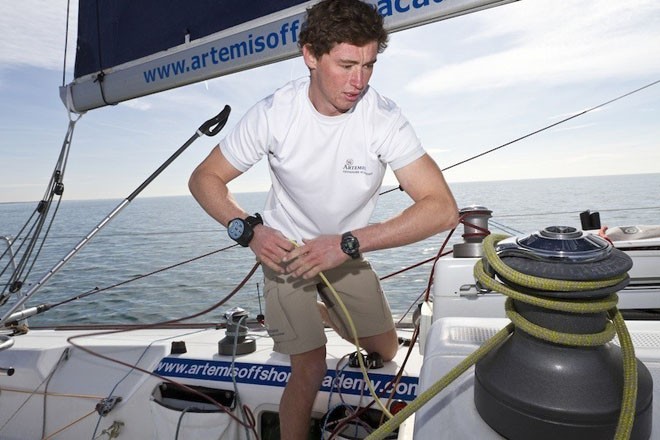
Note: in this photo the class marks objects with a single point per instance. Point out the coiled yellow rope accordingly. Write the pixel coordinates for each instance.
(616, 325)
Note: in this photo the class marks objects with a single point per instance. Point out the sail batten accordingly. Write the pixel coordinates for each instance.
(192, 53)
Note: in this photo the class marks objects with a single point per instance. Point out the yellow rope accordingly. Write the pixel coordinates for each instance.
(579, 340)
(627, 415)
(616, 325)
(356, 341)
(538, 282)
(440, 385)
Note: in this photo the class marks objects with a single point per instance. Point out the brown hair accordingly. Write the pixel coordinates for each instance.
(332, 22)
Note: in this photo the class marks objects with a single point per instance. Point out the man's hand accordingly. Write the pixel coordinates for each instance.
(314, 256)
(271, 246)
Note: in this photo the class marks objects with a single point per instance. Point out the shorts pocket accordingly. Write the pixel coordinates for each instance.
(277, 321)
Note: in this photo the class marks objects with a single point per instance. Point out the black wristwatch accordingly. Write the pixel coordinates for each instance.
(350, 245)
(242, 231)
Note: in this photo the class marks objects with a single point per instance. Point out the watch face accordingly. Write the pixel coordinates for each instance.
(350, 244)
(235, 229)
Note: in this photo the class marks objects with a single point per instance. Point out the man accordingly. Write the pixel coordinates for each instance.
(328, 140)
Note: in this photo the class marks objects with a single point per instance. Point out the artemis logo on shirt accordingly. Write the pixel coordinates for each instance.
(350, 168)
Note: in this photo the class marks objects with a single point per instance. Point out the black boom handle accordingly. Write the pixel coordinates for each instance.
(219, 121)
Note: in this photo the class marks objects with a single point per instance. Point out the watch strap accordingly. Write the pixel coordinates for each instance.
(254, 220)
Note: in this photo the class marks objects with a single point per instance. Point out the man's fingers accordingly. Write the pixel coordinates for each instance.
(273, 265)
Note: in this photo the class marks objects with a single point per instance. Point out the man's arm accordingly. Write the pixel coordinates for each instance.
(434, 210)
(208, 184)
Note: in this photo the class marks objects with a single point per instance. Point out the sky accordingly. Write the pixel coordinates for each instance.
(467, 84)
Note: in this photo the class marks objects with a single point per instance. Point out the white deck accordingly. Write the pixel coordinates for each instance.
(82, 380)
(452, 414)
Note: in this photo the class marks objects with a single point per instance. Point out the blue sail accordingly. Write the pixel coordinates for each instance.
(128, 49)
(111, 33)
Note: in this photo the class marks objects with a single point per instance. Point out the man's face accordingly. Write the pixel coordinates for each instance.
(339, 77)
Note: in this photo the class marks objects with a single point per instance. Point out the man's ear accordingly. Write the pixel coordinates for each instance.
(308, 56)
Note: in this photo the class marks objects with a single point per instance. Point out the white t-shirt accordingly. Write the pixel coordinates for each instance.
(326, 171)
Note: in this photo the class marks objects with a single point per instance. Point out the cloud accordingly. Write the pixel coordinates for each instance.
(138, 104)
(575, 127)
(551, 44)
(33, 33)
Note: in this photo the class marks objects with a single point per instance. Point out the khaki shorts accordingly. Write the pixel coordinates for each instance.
(292, 315)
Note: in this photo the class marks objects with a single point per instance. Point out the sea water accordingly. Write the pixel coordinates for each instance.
(152, 250)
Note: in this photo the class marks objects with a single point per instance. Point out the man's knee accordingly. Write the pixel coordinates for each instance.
(310, 366)
(385, 344)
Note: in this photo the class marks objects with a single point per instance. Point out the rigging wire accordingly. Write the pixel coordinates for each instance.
(66, 42)
(110, 393)
(499, 225)
(505, 228)
(214, 231)
(67, 142)
(539, 214)
(189, 389)
(547, 127)
(139, 277)
(31, 393)
(210, 128)
(35, 239)
(412, 304)
(56, 180)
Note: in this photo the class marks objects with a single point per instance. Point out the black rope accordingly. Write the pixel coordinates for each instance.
(99, 79)
(400, 188)
(101, 76)
(139, 277)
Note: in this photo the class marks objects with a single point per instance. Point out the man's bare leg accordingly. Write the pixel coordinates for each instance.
(307, 372)
(385, 344)
(327, 320)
